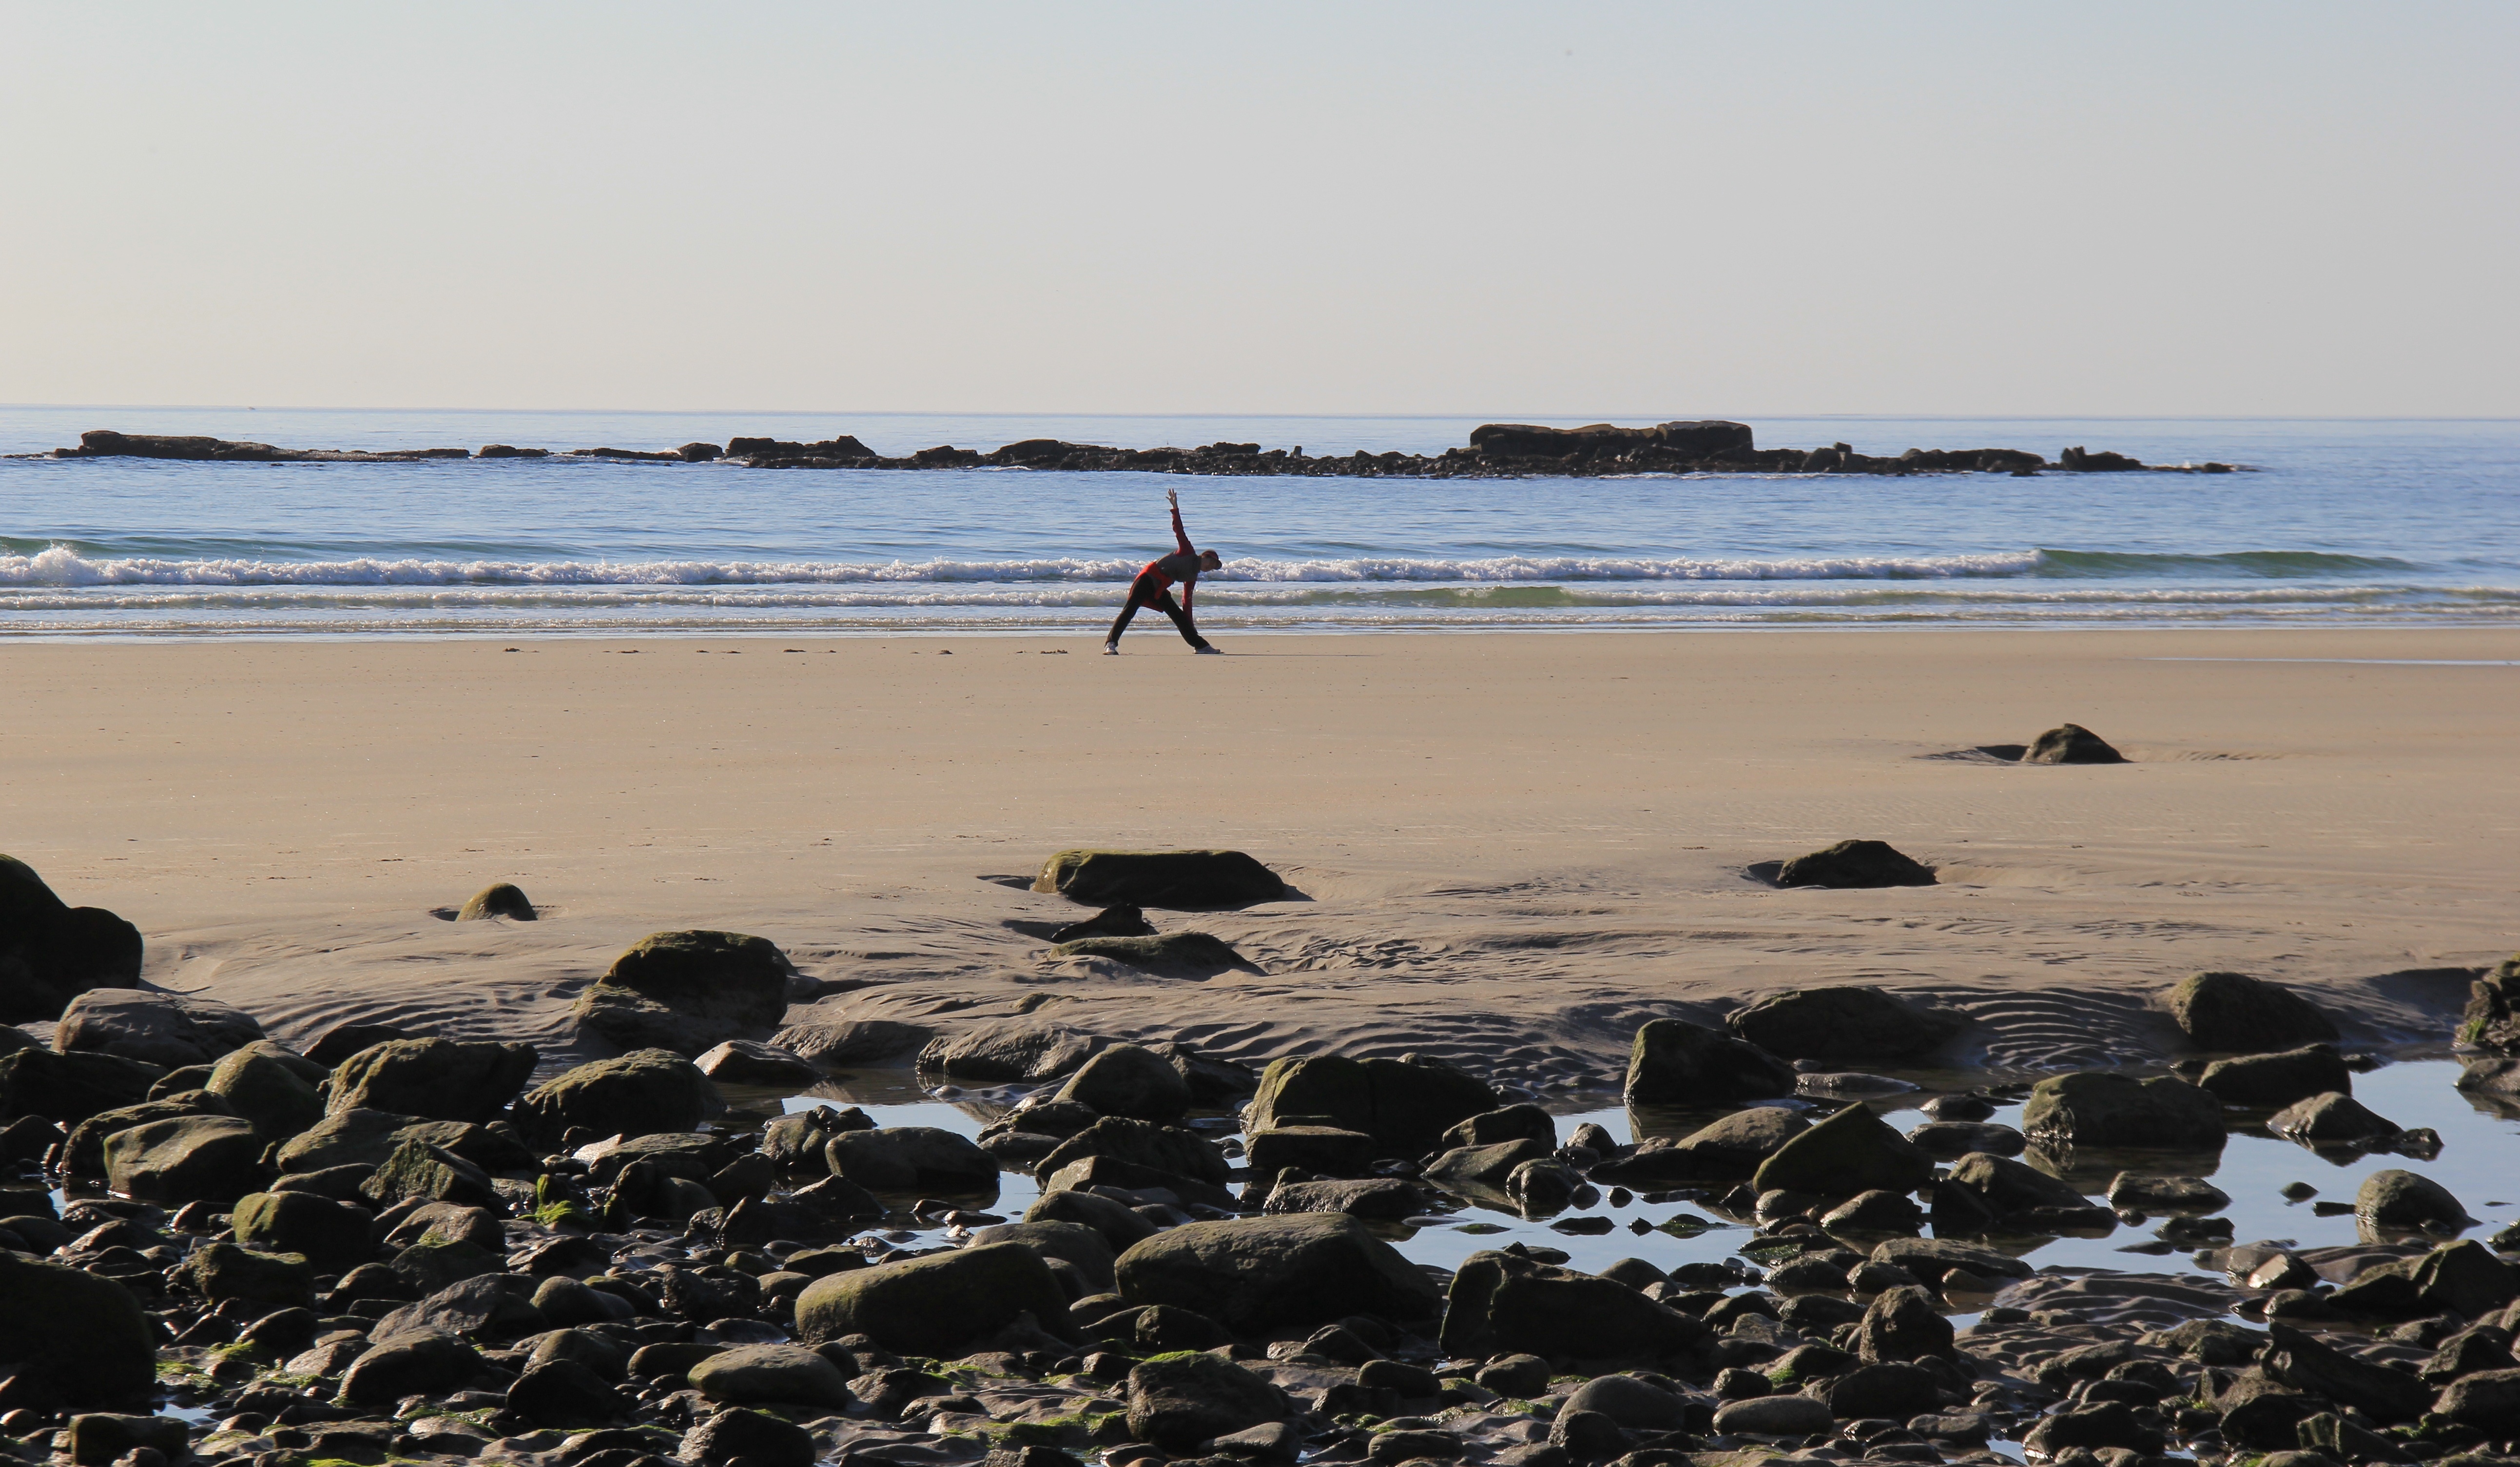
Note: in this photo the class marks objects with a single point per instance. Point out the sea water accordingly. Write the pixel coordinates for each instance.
(2379, 522)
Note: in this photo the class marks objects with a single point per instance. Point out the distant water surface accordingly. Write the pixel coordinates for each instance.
(2379, 522)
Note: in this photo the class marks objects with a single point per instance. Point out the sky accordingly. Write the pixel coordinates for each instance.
(1657, 210)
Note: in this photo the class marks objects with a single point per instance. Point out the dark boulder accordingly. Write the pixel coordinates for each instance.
(748, 1062)
(1794, 1415)
(689, 991)
(2071, 744)
(1122, 920)
(220, 1271)
(1179, 1401)
(1143, 1143)
(419, 1365)
(942, 1306)
(1119, 1223)
(1903, 1324)
(741, 1435)
(2304, 1363)
(1852, 1151)
(2497, 1075)
(1175, 879)
(481, 1307)
(1676, 1063)
(1634, 1403)
(853, 1042)
(1993, 1190)
(2234, 1013)
(1127, 1080)
(1854, 863)
(1381, 1198)
(2488, 1402)
(2079, 460)
(71, 1087)
(333, 1235)
(51, 953)
(418, 1170)
(2491, 1020)
(343, 1040)
(1254, 1274)
(441, 1080)
(1855, 1022)
(2277, 1080)
(1504, 1303)
(167, 1030)
(1324, 1150)
(2399, 1201)
(2105, 1110)
(1514, 1122)
(1484, 1166)
(1178, 954)
(1213, 1080)
(500, 899)
(642, 1093)
(1689, 441)
(1077, 1244)
(2181, 1195)
(270, 1091)
(2333, 1119)
(1405, 1104)
(83, 1153)
(80, 1335)
(215, 1159)
(1010, 1050)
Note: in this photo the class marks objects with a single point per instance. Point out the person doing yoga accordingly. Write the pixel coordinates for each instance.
(1154, 587)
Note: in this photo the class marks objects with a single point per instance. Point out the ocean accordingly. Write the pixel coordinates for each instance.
(2334, 522)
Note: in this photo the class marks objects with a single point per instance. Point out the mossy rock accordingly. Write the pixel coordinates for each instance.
(1175, 879)
(440, 1080)
(500, 899)
(215, 1159)
(941, 1306)
(2235, 1013)
(637, 1094)
(1405, 1104)
(1852, 1151)
(221, 1272)
(690, 991)
(79, 1333)
(1855, 864)
(2105, 1110)
(267, 1092)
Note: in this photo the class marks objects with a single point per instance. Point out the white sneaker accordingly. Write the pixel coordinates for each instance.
(1112, 648)
(1209, 651)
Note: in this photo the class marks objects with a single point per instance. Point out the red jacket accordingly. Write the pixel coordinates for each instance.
(1179, 566)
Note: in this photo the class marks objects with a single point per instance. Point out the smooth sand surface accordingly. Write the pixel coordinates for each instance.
(1511, 848)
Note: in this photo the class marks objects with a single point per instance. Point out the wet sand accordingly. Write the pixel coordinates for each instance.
(1511, 848)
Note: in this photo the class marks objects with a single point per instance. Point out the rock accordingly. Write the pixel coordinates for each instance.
(2182, 1196)
(1010, 1050)
(2491, 1020)
(1166, 1148)
(1258, 1273)
(2234, 1013)
(2071, 744)
(98, 1438)
(1381, 1198)
(167, 1030)
(687, 991)
(499, 899)
(83, 1151)
(853, 1042)
(1197, 953)
(213, 1159)
(2491, 1076)
(420, 1364)
(1676, 1063)
(1110, 1171)
(2487, 1401)
(482, 1307)
(367, 1139)
(1695, 440)
(1854, 863)
(1930, 1259)
(1075, 1243)
(343, 1040)
(642, 1093)
(221, 1272)
(2104, 1110)
(768, 1374)
(1483, 1167)
(743, 1436)
(1123, 920)
(1852, 1151)
(1502, 1303)
(1875, 1211)
(1883, 1389)
(331, 1235)
(1854, 1022)
(566, 1395)
(1513, 1123)
(942, 1306)
(2277, 1080)
(441, 1080)
(1545, 1185)
(910, 1159)
(71, 1087)
(1405, 1104)
(1726, 1150)
(1637, 1404)
(2404, 1201)
(745, 1062)
(2109, 1424)
(51, 953)
(1775, 1416)
(1127, 1080)
(267, 1092)
(1174, 879)
(1213, 1080)
(2304, 1363)
(1903, 1324)
(2331, 1119)
(1179, 1401)
(1324, 1150)
(2004, 1188)
(80, 1335)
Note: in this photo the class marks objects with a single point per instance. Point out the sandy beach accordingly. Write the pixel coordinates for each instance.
(1511, 848)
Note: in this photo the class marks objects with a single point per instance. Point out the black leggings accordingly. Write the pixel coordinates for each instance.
(1145, 590)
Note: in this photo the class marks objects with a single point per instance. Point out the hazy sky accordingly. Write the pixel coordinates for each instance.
(1654, 211)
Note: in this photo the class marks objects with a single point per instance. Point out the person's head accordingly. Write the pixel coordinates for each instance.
(1209, 560)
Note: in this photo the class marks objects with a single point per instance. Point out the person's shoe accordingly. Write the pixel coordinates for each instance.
(1112, 648)
(1211, 652)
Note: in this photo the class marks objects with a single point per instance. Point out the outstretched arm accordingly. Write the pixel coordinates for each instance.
(1181, 536)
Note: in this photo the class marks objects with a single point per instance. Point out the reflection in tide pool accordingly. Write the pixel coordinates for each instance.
(2479, 1162)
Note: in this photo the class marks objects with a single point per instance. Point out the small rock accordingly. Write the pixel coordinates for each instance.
(497, 899)
(2071, 744)
(1855, 864)
(2333, 1119)
(2234, 1013)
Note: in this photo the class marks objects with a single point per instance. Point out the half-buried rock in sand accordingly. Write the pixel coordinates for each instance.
(690, 991)
(1179, 953)
(1177, 879)
(1849, 863)
(1853, 1022)
(503, 900)
(2071, 744)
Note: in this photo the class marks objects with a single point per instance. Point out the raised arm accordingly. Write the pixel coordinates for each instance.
(1181, 536)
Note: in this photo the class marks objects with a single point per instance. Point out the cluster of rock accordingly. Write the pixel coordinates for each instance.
(1494, 449)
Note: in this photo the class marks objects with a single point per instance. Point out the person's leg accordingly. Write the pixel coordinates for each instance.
(1140, 592)
(1165, 603)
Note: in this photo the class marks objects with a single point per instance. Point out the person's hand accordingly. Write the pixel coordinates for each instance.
(1173, 497)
